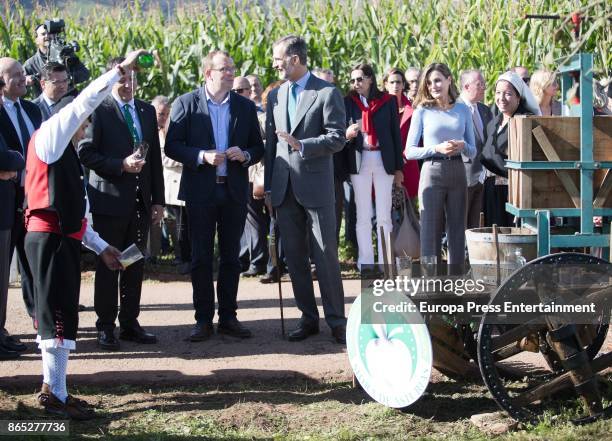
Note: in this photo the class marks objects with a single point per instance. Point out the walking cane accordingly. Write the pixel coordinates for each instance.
(273, 249)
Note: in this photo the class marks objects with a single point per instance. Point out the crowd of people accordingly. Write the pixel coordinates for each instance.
(235, 161)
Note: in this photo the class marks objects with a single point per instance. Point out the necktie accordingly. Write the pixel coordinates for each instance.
(292, 104)
(477, 123)
(23, 128)
(130, 122)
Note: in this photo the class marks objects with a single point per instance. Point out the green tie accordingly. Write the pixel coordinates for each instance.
(130, 122)
(292, 104)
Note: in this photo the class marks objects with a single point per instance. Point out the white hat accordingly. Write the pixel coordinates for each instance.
(524, 91)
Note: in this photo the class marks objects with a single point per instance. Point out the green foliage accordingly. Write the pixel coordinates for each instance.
(490, 34)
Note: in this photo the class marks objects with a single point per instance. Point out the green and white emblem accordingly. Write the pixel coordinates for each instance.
(390, 352)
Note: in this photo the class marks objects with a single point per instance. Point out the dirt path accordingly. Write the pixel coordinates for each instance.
(167, 312)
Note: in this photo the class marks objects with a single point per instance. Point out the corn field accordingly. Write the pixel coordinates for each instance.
(492, 35)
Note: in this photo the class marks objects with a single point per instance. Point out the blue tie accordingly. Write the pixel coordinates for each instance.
(292, 104)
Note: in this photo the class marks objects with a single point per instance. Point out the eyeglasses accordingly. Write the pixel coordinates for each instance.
(56, 82)
(356, 80)
(225, 70)
(240, 90)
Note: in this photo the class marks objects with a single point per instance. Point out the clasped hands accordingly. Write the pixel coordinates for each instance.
(216, 158)
(450, 147)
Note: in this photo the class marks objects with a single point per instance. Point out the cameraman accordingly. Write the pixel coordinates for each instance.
(77, 72)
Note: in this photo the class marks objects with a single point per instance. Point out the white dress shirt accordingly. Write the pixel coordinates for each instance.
(11, 110)
(55, 135)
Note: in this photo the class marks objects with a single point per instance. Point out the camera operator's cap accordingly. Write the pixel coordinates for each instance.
(62, 103)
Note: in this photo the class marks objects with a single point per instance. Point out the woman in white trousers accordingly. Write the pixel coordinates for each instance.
(374, 157)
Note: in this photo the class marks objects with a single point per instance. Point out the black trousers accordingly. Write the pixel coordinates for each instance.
(255, 245)
(120, 232)
(18, 234)
(226, 218)
(55, 263)
(494, 204)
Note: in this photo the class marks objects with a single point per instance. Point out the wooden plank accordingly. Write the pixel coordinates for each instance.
(604, 190)
(525, 193)
(552, 156)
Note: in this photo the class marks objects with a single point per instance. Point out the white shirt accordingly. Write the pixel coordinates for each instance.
(48, 100)
(132, 108)
(55, 135)
(11, 110)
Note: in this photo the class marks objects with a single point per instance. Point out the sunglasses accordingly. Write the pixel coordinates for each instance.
(241, 89)
(356, 80)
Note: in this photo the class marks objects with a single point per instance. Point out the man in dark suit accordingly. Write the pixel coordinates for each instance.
(305, 126)
(473, 87)
(215, 134)
(126, 191)
(19, 118)
(11, 162)
(54, 83)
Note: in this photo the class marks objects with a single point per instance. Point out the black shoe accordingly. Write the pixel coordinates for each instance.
(303, 331)
(13, 344)
(201, 331)
(339, 333)
(253, 272)
(137, 334)
(269, 278)
(107, 340)
(7, 354)
(233, 328)
(184, 268)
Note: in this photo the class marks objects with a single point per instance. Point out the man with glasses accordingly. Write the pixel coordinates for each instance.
(413, 74)
(126, 190)
(242, 87)
(473, 87)
(77, 72)
(19, 119)
(305, 126)
(54, 82)
(215, 134)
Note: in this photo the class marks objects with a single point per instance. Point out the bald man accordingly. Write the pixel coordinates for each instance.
(256, 90)
(522, 72)
(242, 87)
(19, 118)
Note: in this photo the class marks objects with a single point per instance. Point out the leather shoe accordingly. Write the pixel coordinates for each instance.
(7, 354)
(13, 344)
(269, 278)
(137, 334)
(253, 272)
(233, 328)
(107, 340)
(339, 333)
(302, 332)
(201, 331)
(73, 409)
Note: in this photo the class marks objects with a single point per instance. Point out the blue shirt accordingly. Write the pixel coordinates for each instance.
(436, 126)
(220, 119)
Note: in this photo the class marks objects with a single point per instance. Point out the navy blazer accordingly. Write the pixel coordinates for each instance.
(387, 123)
(190, 131)
(10, 160)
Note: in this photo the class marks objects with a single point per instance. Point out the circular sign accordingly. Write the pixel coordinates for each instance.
(389, 351)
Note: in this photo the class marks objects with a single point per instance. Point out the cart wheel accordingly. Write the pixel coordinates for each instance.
(534, 344)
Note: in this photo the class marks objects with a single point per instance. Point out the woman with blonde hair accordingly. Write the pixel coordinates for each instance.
(544, 86)
(446, 128)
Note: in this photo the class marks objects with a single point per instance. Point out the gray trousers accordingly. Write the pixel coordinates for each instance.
(474, 205)
(5, 269)
(443, 197)
(298, 225)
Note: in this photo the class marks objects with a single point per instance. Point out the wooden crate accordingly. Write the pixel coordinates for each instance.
(548, 188)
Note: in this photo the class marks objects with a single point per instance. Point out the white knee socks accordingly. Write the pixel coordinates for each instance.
(55, 363)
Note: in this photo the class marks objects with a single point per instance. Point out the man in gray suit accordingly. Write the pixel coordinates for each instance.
(54, 82)
(305, 126)
(473, 87)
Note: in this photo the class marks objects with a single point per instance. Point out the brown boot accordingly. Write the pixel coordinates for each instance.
(74, 408)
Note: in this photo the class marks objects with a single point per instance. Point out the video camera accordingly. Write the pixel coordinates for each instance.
(59, 51)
